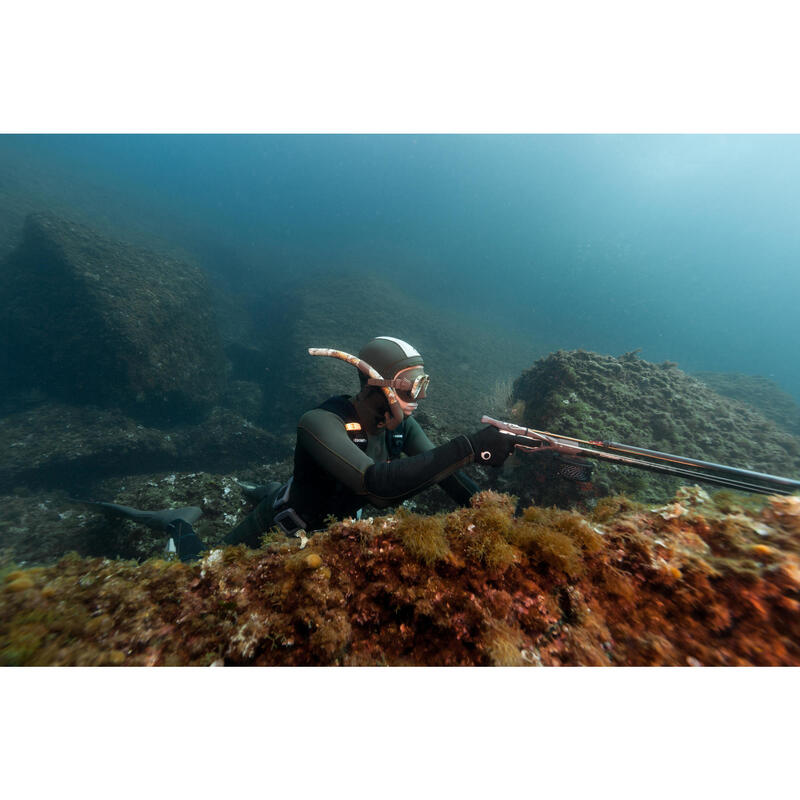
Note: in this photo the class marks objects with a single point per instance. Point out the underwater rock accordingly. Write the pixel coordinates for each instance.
(98, 321)
(622, 586)
(59, 446)
(626, 399)
(245, 398)
(42, 527)
(761, 393)
(247, 363)
(226, 441)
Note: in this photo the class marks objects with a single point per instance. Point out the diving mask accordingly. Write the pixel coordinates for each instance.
(410, 384)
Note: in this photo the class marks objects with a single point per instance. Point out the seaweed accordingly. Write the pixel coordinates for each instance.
(485, 531)
(679, 584)
(422, 536)
(503, 645)
(609, 507)
(561, 539)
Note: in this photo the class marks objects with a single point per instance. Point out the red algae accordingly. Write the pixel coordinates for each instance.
(686, 583)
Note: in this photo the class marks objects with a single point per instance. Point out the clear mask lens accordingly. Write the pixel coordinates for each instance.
(411, 387)
(420, 386)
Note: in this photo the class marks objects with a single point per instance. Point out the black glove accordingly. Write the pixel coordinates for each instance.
(491, 446)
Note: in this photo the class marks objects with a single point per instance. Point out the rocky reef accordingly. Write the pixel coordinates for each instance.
(759, 392)
(627, 399)
(93, 320)
(698, 581)
(40, 527)
(59, 446)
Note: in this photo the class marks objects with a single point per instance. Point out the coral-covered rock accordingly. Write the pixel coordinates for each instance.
(87, 319)
(626, 399)
(628, 585)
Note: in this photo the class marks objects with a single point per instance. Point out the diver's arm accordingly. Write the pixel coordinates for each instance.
(392, 481)
(323, 435)
(459, 486)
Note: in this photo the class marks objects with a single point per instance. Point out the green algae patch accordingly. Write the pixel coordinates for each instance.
(422, 536)
(607, 508)
(504, 646)
(485, 531)
(19, 584)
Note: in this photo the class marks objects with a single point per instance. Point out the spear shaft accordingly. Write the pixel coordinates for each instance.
(532, 440)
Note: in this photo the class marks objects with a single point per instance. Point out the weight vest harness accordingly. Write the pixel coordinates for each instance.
(343, 408)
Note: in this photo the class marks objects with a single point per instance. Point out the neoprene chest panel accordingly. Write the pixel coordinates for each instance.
(333, 475)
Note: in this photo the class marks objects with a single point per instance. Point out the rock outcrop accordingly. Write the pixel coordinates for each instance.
(761, 393)
(90, 320)
(56, 446)
(656, 406)
(690, 583)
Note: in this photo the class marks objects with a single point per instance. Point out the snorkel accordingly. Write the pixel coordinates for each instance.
(396, 405)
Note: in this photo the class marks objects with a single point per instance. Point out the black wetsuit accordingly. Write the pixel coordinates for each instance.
(337, 471)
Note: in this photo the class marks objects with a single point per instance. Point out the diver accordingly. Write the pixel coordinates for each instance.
(350, 451)
(368, 449)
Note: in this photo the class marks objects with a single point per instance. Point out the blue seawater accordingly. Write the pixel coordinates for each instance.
(685, 246)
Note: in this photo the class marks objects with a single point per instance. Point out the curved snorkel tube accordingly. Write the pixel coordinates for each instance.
(395, 407)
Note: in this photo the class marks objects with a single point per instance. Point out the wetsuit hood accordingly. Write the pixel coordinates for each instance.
(389, 355)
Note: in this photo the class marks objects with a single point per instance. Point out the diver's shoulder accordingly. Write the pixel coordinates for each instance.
(317, 418)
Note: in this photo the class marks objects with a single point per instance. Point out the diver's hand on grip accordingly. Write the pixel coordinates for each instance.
(491, 446)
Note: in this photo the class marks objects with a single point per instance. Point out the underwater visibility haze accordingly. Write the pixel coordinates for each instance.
(158, 299)
(684, 246)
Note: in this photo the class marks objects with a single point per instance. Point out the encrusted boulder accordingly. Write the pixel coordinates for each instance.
(56, 446)
(759, 392)
(88, 319)
(656, 406)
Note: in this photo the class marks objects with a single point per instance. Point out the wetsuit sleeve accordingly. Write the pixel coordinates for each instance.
(324, 437)
(459, 486)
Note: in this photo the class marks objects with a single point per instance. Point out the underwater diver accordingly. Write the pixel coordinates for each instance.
(350, 451)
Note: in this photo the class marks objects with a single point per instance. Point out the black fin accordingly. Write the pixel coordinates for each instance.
(187, 542)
